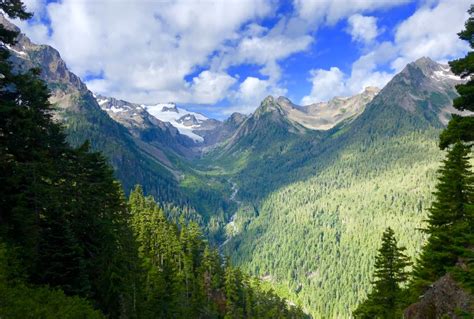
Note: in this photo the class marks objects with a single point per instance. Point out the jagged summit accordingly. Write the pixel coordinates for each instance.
(269, 105)
(236, 118)
(434, 69)
(188, 120)
(170, 107)
(317, 116)
(423, 87)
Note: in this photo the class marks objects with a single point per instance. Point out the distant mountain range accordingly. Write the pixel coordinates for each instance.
(199, 128)
(297, 195)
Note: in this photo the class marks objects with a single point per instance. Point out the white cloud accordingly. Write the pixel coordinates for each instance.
(144, 49)
(431, 31)
(250, 93)
(210, 88)
(362, 28)
(326, 85)
(264, 47)
(331, 11)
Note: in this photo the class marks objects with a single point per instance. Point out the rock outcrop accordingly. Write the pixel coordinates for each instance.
(444, 299)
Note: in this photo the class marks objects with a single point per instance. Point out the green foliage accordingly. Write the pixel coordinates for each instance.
(450, 221)
(318, 237)
(184, 278)
(390, 273)
(462, 127)
(459, 129)
(19, 301)
(62, 213)
(320, 200)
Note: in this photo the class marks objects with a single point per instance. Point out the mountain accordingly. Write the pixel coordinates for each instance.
(268, 123)
(297, 195)
(84, 120)
(185, 121)
(191, 130)
(312, 216)
(163, 137)
(279, 119)
(325, 115)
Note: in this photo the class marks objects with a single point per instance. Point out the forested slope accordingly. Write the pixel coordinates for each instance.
(71, 246)
(315, 236)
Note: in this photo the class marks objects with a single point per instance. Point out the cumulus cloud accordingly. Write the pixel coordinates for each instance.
(264, 47)
(326, 84)
(362, 28)
(431, 31)
(210, 88)
(331, 11)
(143, 50)
(249, 94)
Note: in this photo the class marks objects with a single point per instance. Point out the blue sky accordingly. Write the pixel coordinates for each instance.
(219, 56)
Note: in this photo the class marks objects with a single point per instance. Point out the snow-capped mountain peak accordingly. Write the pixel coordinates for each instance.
(185, 121)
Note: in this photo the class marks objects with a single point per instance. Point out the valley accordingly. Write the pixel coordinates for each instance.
(296, 195)
(300, 214)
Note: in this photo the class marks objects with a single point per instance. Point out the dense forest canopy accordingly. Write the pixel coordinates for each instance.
(72, 246)
(362, 218)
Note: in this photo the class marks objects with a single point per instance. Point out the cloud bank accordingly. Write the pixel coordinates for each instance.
(198, 52)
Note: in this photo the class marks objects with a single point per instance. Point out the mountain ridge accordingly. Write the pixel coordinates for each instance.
(295, 198)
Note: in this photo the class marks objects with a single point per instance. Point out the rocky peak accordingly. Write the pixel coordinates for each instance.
(171, 107)
(269, 105)
(371, 90)
(236, 118)
(283, 100)
(426, 63)
(423, 86)
(188, 120)
(425, 69)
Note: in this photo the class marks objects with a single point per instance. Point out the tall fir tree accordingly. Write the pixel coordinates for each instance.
(450, 219)
(385, 300)
(461, 128)
(61, 208)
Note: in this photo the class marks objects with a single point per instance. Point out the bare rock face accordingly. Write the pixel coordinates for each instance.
(444, 299)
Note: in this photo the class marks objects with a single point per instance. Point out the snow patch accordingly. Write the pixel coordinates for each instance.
(445, 73)
(169, 112)
(102, 101)
(117, 109)
(23, 53)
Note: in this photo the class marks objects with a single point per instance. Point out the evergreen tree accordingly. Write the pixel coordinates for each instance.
(62, 210)
(185, 278)
(390, 273)
(462, 128)
(233, 293)
(450, 220)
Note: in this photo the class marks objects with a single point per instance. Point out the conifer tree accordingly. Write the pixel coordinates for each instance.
(461, 128)
(61, 208)
(450, 220)
(390, 273)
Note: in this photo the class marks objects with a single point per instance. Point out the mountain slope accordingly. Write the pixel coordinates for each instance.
(297, 178)
(326, 115)
(267, 124)
(150, 131)
(84, 120)
(314, 235)
(185, 121)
